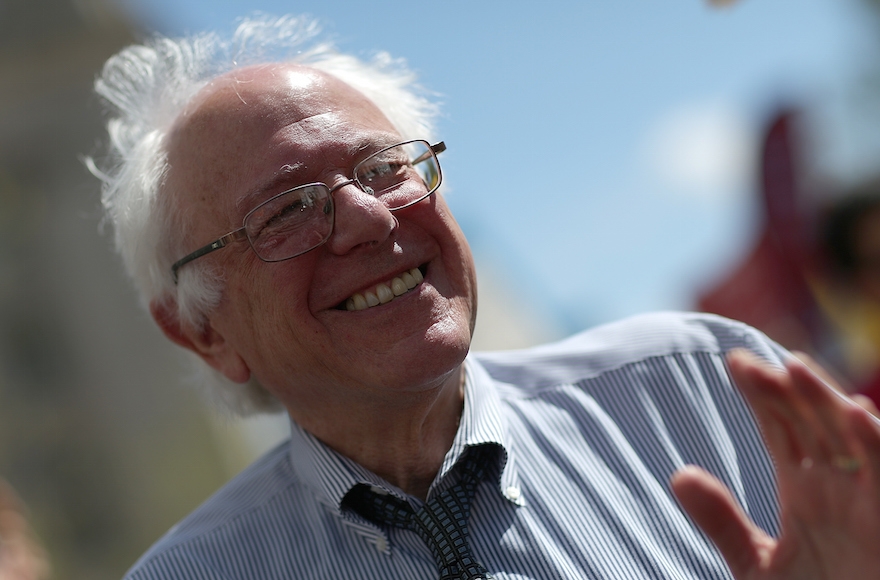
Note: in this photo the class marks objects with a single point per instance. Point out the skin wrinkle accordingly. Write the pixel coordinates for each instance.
(300, 174)
(279, 321)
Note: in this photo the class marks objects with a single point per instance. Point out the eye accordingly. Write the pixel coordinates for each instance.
(279, 213)
(381, 170)
(294, 207)
(384, 171)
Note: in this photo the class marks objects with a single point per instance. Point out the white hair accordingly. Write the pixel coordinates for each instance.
(146, 87)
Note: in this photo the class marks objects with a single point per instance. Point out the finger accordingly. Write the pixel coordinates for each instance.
(828, 411)
(866, 403)
(848, 420)
(823, 373)
(800, 405)
(713, 508)
(867, 428)
(784, 419)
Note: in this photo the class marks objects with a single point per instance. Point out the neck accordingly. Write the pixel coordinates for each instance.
(403, 437)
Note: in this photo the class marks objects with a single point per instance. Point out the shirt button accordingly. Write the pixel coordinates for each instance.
(381, 544)
(512, 493)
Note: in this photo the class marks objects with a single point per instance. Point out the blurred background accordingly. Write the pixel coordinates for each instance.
(604, 159)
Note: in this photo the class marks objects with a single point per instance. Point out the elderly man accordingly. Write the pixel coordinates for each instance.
(281, 218)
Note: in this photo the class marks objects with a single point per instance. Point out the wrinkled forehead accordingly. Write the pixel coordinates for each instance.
(247, 124)
(248, 102)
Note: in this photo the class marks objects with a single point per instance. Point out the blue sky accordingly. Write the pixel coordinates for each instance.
(601, 153)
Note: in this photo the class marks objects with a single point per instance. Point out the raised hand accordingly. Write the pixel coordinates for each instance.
(827, 454)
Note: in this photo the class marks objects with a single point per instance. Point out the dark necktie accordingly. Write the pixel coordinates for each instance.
(442, 522)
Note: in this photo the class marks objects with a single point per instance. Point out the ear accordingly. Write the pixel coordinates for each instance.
(211, 346)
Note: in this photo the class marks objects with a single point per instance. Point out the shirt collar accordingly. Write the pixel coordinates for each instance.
(482, 422)
(331, 475)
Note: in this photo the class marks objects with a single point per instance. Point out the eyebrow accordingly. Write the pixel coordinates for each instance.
(286, 174)
(257, 195)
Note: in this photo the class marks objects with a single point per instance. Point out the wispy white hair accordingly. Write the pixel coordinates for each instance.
(146, 87)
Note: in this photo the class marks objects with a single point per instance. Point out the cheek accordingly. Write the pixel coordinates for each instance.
(458, 259)
(270, 330)
(271, 298)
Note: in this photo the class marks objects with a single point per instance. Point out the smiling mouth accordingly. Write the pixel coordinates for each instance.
(385, 292)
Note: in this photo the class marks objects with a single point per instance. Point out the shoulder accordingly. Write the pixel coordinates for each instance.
(646, 395)
(235, 516)
(632, 340)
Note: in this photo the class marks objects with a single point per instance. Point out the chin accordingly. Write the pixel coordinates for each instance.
(450, 342)
(440, 352)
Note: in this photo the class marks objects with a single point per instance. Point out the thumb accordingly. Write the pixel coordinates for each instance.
(713, 508)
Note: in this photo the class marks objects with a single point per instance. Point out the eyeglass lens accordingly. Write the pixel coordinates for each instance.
(301, 219)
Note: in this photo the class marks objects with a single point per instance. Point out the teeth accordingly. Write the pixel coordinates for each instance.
(398, 286)
(386, 292)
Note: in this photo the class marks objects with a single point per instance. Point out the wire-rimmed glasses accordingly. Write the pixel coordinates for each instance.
(299, 220)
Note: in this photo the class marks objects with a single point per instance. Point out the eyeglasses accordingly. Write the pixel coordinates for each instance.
(299, 220)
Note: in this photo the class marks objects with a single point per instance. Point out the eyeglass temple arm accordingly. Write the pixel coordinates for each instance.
(238, 234)
(437, 148)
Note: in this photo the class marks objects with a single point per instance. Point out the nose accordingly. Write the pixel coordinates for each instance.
(360, 220)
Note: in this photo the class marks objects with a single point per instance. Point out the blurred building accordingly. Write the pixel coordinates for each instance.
(96, 433)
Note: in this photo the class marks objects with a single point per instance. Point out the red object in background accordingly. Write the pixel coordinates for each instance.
(769, 289)
(871, 389)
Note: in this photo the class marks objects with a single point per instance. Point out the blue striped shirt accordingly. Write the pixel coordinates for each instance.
(591, 427)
